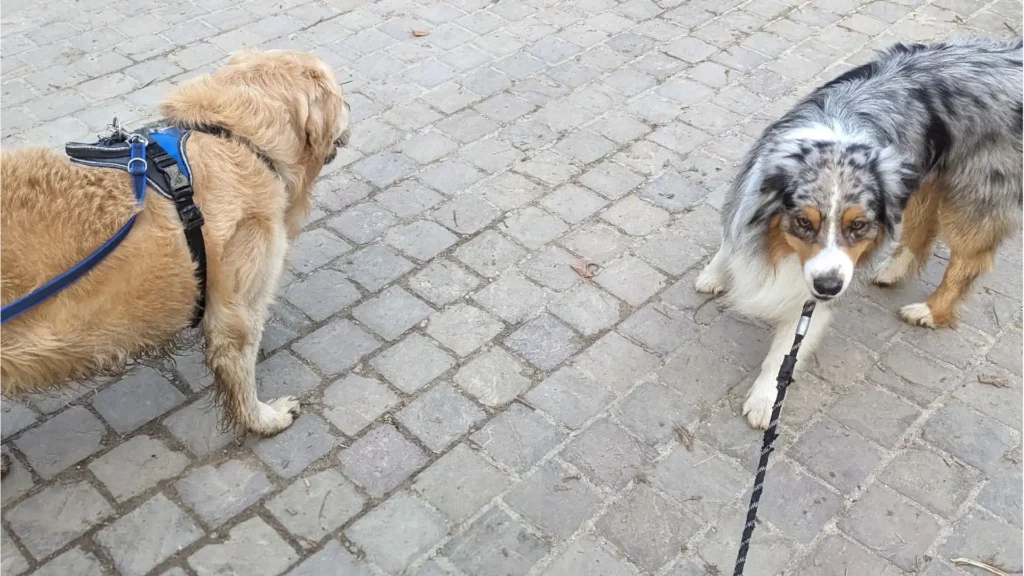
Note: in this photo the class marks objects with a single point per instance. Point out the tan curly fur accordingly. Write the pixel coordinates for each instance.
(54, 213)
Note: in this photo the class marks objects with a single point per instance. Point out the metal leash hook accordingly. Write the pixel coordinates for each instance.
(784, 380)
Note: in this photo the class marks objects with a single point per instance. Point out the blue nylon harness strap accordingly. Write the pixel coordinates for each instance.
(137, 167)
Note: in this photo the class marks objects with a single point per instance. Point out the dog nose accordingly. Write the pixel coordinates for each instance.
(828, 285)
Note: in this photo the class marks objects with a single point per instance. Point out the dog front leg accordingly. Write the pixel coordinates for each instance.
(761, 397)
(714, 278)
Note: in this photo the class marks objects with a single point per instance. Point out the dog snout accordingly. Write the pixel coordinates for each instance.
(828, 285)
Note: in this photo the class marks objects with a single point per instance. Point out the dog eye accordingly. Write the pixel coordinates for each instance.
(803, 222)
(858, 225)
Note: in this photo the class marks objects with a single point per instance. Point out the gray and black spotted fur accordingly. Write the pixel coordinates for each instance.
(951, 110)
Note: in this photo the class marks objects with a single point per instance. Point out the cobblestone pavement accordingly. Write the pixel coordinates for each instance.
(471, 405)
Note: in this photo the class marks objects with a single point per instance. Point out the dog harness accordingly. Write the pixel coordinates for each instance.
(153, 156)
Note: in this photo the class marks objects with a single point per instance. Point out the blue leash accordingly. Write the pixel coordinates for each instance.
(137, 167)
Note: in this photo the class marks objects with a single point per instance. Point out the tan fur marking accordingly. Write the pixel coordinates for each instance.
(850, 214)
(776, 242)
(814, 216)
(861, 251)
(972, 247)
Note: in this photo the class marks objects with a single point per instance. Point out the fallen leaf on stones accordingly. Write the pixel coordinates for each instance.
(993, 380)
(420, 33)
(584, 267)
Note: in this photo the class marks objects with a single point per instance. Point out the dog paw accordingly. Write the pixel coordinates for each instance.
(277, 415)
(917, 315)
(759, 404)
(709, 283)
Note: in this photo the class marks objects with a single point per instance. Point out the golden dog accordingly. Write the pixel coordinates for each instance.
(281, 108)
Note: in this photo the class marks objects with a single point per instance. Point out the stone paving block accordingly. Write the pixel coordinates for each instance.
(14, 418)
(554, 500)
(339, 191)
(839, 360)
(518, 437)
(381, 460)
(769, 551)
(17, 482)
(285, 323)
(615, 362)
(375, 266)
(875, 414)
(315, 506)
(78, 506)
(837, 556)
(932, 479)
(647, 527)
(199, 426)
(397, 531)
(465, 126)
(439, 417)
(362, 222)
(314, 249)
(495, 545)
(659, 328)
(573, 203)
(552, 267)
(147, 536)
(800, 506)
(442, 282)
(330, 560)
(322, 294)
(421, 240)
(13, 562)
(465, 214)
(840, 456)
(879, 516)
(974, 439)
(74, 561)
(585, 146)
(1000, 495)
(608, 455)
(412, 363)
(336, 347)
(384, 169)
(460, 483)
(1004, 352)
(700, 480)
(597, 242)
(150, 461)
(142, 395)
(586, 556)
(631, 280)
(492, 154)
(493, 378)
(587, 309)
(635, 217)
(62, 441)
(354, 402)
(252, 547)
(489, 253)
(544, 342)
(512, 298)
(463, 328)
(294, 449)
(570, 396)
(533, 227)
(673, 192)
(218, 493)
(284, 375)
(979, 535)
(391, 313)
(408, 199)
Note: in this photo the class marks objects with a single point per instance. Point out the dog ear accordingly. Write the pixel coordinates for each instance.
(772, 194)
(323, 101)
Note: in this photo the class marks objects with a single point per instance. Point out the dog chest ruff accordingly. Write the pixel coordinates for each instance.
(153, 156)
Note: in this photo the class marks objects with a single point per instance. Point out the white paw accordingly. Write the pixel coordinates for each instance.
(917, 314)
(276, 416)
(893, 270)
(709, 283)
(759, 404)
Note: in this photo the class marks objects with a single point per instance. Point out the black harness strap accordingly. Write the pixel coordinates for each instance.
(222, 132)
(181, 193)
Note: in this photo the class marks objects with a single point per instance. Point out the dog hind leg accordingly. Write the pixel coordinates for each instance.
(972, 246)
(761, 397)
(236, 313)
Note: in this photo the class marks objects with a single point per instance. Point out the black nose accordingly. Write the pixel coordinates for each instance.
(828, 285)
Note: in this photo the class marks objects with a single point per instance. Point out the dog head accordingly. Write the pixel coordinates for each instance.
(309, 88)
(832, 202)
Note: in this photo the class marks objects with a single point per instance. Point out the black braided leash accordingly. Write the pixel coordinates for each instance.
(785, 378)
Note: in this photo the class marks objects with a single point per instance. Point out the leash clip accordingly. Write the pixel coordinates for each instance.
(134, 166)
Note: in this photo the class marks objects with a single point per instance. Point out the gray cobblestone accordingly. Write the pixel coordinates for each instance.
(463, 328)
(79, 506)
(140, 397)
(315, 506)
(381, 460)
(336, 347)
(917, 529)
(647, 527)
(397, 531)
(391, 313)
(354, 402)
(495, 545)
(460, 483)
(219, 493)
(552, 499)
(374, 267)
(544, 342)
(439, 417)
(512, 298)
(147, 536)
(251, 547)
(150, 460)
(291, 451)
(62, 441)
(74, 561)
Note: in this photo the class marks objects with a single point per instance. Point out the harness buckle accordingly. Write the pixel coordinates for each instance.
(191, 216)
(137, 166)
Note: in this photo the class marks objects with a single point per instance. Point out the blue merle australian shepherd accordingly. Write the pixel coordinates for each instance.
(925, 141)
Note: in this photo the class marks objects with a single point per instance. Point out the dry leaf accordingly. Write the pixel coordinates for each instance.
(975, 564)
(584, 267)
(420, 33)
(993, 380)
